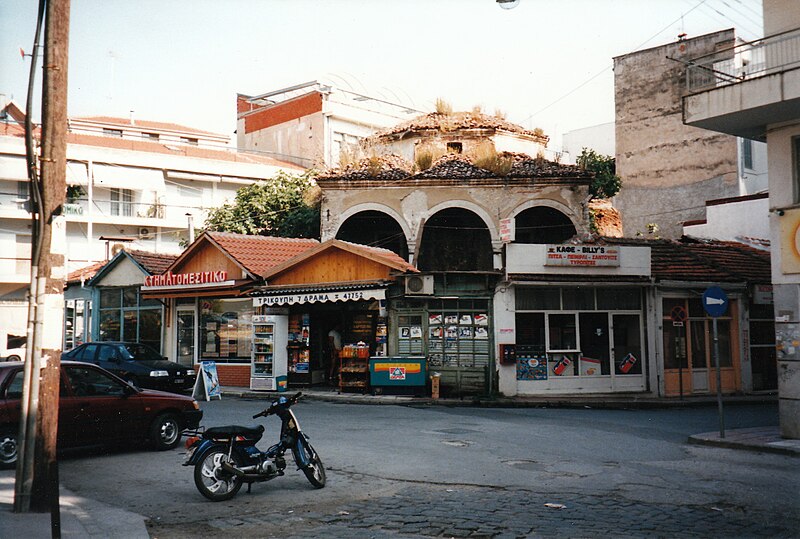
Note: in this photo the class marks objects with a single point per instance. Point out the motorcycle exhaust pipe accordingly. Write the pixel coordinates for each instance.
(242, 473)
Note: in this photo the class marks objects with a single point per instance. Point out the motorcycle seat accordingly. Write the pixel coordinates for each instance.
(235, 430)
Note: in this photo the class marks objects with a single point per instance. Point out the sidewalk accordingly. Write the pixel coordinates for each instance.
(80, 517)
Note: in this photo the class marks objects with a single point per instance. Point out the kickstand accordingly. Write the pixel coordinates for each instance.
(249, 486)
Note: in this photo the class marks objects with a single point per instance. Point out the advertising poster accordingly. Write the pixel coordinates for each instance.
(208, 379)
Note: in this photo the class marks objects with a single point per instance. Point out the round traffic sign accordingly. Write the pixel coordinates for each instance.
(678, 314)
(715, 301)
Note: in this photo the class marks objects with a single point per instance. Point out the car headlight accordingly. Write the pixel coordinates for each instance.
(159, 373)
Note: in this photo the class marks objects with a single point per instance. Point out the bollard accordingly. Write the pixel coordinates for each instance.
(435, 385)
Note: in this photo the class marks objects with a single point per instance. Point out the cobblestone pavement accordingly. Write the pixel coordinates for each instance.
(419, 510)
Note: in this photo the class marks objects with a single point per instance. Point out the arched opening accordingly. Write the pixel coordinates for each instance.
(542, 224)
(375, 229)
(455, 239)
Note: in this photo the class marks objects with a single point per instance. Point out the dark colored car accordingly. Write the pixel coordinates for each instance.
(97, 408)
(135, 363)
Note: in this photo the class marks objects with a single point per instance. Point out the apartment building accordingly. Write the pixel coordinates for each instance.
(752, 90)
(134, 183)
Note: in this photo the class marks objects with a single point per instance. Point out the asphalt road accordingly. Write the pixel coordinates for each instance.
(473, 472)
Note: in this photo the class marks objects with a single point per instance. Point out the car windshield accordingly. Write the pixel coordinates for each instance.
(140, 352)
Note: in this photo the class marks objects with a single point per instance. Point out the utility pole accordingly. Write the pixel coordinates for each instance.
(36, 488)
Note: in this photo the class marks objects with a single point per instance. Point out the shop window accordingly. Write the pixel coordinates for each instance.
(562, 332)
(226, 327)
(530, 330)
(409, 338)
(125, 316)
(627, 344)
(619, 299)
(575, 299)
(458, 333)
(538, 299)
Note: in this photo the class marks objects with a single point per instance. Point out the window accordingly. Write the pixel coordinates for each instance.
(189, 140)
(151, 136)
(125, 316)
(454, 147)
(23, 196)
(108, 132)
(458, 332)
(747, 153)
(225, 329)
(121, 202)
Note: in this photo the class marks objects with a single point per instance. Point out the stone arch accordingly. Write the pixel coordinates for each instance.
(463, 204)
(383, 226)
(455, 238)
(561, 220)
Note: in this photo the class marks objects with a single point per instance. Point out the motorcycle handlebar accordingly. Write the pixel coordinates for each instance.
(292, 400)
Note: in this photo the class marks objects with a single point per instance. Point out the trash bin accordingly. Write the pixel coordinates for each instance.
(281, 382)
(435, 377)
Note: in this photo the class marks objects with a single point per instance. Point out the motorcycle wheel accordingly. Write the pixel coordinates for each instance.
(314, 470)
(212, 481)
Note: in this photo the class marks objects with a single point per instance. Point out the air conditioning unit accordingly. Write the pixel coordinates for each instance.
(419, 285)
(144, 233)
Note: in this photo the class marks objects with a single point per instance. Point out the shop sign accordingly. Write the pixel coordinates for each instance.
(507, 230)
(789, 221)
(320, 297)
(397, 373)
(581, 255)
(762, 294)
(183, 279)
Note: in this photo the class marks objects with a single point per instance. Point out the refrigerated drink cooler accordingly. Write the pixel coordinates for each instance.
(269, 357)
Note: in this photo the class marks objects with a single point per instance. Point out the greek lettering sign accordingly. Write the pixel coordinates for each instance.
(320, 297)
(582, 255)
(168, 279)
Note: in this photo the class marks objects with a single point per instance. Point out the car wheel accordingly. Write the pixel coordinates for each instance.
(165, 432)
(13, 358)
(8, 449)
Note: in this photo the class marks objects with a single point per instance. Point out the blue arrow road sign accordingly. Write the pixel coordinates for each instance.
(715, 301)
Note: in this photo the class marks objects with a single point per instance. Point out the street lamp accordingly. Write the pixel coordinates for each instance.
(508, 4)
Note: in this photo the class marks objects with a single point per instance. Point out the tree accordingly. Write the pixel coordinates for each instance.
(606, 183)
(285, 205)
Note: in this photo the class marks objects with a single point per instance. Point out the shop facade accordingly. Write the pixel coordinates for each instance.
(209, 316)
(108, 305)
(573, 319)
(626, 316)
(331, 305)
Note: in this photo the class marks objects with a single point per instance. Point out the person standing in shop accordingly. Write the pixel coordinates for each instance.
(334, 347)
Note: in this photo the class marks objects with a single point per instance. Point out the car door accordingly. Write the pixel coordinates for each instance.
(12, 395)
(103, 410)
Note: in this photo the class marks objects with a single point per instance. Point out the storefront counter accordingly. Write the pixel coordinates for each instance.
(398, 374)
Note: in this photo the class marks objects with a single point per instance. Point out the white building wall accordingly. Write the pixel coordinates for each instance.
(734, 221)
(599, 138)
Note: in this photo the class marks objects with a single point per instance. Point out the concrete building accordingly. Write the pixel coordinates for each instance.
(130, 182)
(752, 90)
(313, 123)
(599, 138)
(669, 169)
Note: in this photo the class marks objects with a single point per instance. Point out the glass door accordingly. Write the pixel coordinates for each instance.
(186, 335)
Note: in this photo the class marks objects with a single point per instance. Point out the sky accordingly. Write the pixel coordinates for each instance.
(545, 63)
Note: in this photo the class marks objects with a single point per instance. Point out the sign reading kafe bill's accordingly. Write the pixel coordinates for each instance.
(582, 255)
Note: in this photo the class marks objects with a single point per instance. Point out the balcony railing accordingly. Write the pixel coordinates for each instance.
(744, 61)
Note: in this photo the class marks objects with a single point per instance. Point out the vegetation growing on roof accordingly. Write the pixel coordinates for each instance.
(285, 205)
(485, 156)
(606, 183)
(426, 154)
(443, 107)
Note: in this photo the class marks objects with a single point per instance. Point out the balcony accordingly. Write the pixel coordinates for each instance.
(743, 89)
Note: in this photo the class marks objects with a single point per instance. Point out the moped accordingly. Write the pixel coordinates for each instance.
(224, 458)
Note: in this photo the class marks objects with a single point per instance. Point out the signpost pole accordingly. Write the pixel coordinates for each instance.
(719, 380)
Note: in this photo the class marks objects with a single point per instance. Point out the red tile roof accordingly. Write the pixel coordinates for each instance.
(703, 260)
(455, 121)
(146, 124)
(154, 263)
(259, 254)
(85, 273)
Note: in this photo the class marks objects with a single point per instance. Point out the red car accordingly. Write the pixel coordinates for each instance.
(97, 408)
